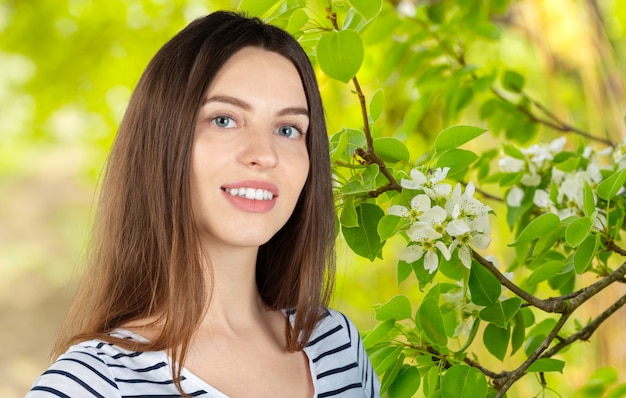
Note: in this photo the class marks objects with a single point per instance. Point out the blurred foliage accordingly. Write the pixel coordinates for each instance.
(68, 68)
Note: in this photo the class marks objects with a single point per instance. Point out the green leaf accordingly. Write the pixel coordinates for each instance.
(347, 141)
(578, 230)
(406, 384)
(384, 358)
(297, 20)
(403, 272)
(431, 382)
(363, 182)
(391, 373)
(367, 8)
(547, 241)
(391, 150)
(485, 289)
(529, 317)
(513, 151)
(546, 365)
(455, 136)
(377, 104)
(496, 340)
(513, 81)
(545, 271)
(585, 253)
(364, 239)
(431, 320)
(340, 54)
(532, 342)
(544, 327)
(380, 331)
(550, 255)
(389, 225)
(256, 7)
(518, 333)
(398, 308)
(458, 160)
(280, 14)
(589, 203)
(461, 381)
(568, 165)
(349, 217)
(541, 225)
(608, 188)
(501, 312)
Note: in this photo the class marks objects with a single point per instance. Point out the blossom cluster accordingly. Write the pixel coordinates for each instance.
(559, 190)
(442, 220)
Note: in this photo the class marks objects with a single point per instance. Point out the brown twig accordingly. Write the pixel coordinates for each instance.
(555, 123)
(368, 154)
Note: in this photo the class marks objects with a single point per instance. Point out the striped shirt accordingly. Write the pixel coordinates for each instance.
(338, 362)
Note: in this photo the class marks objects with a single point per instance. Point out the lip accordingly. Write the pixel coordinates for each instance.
(256, 184)
(251, 205)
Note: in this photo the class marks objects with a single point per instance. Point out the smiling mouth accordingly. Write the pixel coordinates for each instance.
(250, 193)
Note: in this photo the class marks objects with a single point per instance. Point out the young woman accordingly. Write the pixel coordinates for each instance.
(212, 258)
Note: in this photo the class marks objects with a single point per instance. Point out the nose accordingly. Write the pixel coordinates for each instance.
(259, 150)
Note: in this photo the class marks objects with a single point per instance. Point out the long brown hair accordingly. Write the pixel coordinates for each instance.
(145, 260)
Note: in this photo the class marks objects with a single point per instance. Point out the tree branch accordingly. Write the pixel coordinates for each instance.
(585, 333)
(553, 305)
(555, 123)
(505, 381)
(368, 154)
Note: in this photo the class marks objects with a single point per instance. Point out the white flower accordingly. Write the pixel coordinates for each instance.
(428, 243)
(469, 224)
(572, 189)
(557, 145)
(514, 196)
(463, 243)
(542, 199)
(530, 179)
(429, 184)
(419, 204)
(542, 155)
(510, 164)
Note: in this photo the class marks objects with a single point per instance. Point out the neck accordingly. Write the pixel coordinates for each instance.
(231, 277)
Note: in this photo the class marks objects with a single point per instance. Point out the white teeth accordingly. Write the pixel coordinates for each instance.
(250, 193)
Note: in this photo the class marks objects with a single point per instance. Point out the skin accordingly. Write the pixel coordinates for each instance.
(249, 133)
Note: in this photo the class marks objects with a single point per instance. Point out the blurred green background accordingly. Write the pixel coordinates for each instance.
(67, 69)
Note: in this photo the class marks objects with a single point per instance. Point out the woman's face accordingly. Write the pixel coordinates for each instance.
(249, 158)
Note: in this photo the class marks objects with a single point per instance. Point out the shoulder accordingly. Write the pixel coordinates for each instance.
(333, 325)
(338, 358)
(81, 371)
(99, 368)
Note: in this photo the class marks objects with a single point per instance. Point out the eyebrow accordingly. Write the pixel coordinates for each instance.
(247, 107)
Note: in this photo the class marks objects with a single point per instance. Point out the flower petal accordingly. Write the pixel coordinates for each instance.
(480, 241)
(457, 227)
(411, 254)
(443, 249)
(465, 255)
(431, 261)
(397, 210)
(515, 196)
(421, 202)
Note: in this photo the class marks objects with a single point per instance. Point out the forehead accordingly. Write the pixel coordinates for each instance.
(254, 71)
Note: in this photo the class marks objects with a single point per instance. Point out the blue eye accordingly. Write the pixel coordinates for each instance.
(288, 131)
(223, 122)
